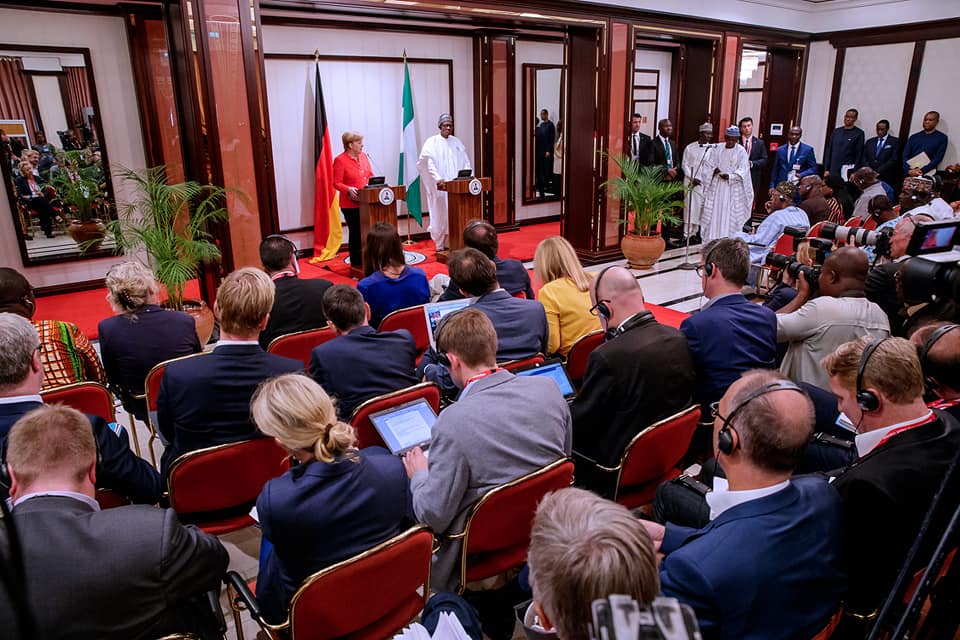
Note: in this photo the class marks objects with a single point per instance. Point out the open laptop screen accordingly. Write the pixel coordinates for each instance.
(435, 311)
(406, 426)
(554, 370)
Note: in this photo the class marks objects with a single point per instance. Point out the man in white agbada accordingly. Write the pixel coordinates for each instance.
(698, 164)
(441, 158)
(729, 194)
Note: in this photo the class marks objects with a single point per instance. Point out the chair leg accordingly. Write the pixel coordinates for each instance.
(235, 607)
(136, 438)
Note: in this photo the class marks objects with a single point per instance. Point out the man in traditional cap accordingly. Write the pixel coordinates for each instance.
(729, 195)
(699, 162)
(441, 158)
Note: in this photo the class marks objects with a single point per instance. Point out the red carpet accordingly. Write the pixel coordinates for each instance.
(87, 308)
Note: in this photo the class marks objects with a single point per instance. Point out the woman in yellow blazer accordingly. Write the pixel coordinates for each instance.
(564, 294)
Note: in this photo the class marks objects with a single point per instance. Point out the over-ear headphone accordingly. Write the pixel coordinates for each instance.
(602, 309)
(438, 331)
(725, 442)
(6, 481)
(707, 265)
(293, 248)
(867, 400)
(929, 379)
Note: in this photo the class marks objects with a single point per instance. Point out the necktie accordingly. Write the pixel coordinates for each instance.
(666, 147)
(636, 145)
(748, 145)
(879, 144)
(793, 154)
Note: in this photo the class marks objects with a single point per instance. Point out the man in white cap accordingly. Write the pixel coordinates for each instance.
(698, 164)
(441, 158)
(729, 195)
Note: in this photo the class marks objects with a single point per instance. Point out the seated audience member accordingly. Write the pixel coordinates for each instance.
(783, 214)
(881, 211)
(564, 294)
(834, 207)
(779, 574)
(21, 374)
(501, 428)
(866, 180)
(643, 373)
(729, 335)
(31, 195)
(338, 502)
(815, 327)
(142, 334)
(66, 353)
(360, 363)
(905, 450)
(521, 325)
(939, 208)
(835, 187)
(126, 572)
(511, 274)
(583, 548)
(205, 401)
(812, 201)
(390, 284)
(938, 346)
(296, 301)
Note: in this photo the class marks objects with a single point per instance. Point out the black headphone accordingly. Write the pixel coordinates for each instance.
(725, 436)
(6, 481)
(707, 265)
(867, 400)
(293, 248)
(442, 355)
(602, 309)
(929, 379)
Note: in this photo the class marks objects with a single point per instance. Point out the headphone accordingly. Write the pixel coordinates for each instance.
(438, 330)
(930, 380)
(6, 482)
(725, 436)
(707, 265)
(867, 400)
(293, 248)
(602, 309)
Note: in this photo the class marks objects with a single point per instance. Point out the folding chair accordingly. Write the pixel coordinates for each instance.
(298, 346)
(367, 435)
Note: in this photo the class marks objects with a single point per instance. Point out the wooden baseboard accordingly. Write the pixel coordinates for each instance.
(69, 287)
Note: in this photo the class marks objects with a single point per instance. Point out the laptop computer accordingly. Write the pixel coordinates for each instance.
(464, 174)
(405, 426)
(376, 181)
(554, 370)
(435, 311)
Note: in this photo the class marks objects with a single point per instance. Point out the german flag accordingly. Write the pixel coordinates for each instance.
(327, 232)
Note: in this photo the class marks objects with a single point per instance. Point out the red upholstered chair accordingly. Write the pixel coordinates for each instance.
(151, 386)
(520, 294)
(831, 626)
(299, 345)
(814, 231)
(783, 245)
(367, 435)
(372, 595)
(108, 499)
(652, 457)
(522, 363)
(854, 221)
(87, 397)
(497, 531)
(223, 477)
(870, 223)
(412, 320)
(579, 353)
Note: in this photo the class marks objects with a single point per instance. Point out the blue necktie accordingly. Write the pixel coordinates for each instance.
(879, 145)
(793, 155)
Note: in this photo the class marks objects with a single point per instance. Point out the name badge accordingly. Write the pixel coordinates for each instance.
(796, 167)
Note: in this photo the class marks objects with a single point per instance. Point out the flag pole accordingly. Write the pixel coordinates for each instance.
(408, 242)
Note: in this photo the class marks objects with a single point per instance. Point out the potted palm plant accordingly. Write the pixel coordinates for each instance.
(168, 222)
(648, 202)
(78, 189)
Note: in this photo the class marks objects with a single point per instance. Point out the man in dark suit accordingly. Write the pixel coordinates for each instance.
(793, 161)
(845, 146)
(643, 373)
(297, 303)
(127, 572)
(360, 363)
(729, 335)
(511, 274)
(639, 144)
(665, 152)
(882, 154)
(904, 451)
(205, 401)
(521, 325)
(757, 153)
(769, 559)
(22, 374)
(545, 135)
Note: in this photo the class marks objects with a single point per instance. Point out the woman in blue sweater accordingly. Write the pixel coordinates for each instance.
(390, 284)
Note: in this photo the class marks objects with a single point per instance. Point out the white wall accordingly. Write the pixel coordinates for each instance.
(938, 91)
(816, 94)
(106, 38)
(875, 83)
(661, 61)
(533, 53)
(359, 96)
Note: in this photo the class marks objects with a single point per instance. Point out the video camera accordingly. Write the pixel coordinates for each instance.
(858, 237)
(933, 271)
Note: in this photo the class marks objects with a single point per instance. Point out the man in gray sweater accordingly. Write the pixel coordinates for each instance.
(501, 428)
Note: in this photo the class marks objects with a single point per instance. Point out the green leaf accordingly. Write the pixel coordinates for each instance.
(644, 193)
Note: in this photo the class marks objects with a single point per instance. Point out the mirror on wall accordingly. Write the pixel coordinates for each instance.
(542, 133)
(54, 164)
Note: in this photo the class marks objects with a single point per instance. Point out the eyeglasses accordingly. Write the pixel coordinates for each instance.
(594, 310)
(715, 413)
(699, 270)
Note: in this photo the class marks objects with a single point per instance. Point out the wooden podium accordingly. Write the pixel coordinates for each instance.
(464, 203)
(377, 204)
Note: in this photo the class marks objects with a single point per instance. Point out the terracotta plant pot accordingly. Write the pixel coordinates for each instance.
(92, 231)
(642, 252)
(202, 316)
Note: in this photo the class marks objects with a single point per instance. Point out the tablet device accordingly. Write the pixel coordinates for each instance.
(376, 181)
(554, 370)
(435, 311)
(464, 174)
(405, 426)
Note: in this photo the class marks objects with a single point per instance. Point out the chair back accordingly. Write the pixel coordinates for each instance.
(338, 602)
(367, 435)
(108, 499)
(224, 477)
(513, 365)
(814, 231)
(86, 397)
(298, 346)
(151, 384)
(869, 224)
(579, 354)
(412, 320)
(831, 626)
(520, 294)
(854, 221)
(497, 531)
(653, 456)
(783, 245)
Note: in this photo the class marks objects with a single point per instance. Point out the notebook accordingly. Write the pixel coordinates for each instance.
(405, 426)
(435, 311)
(554, 370)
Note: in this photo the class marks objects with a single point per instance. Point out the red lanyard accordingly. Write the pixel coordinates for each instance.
(943, 404)
(906, 427)
(483, 374)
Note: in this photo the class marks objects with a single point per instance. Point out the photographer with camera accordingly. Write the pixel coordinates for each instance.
(815, 326)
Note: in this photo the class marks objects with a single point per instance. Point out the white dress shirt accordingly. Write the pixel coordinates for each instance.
(721, 498)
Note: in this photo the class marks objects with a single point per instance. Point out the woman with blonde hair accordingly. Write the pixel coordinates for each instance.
(142, 334)
(337, 503)
(564, 294)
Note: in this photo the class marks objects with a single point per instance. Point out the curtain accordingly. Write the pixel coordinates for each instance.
(78, 94)
(15, 95)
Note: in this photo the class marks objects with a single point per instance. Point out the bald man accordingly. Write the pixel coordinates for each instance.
(641, 374)
(815, 327)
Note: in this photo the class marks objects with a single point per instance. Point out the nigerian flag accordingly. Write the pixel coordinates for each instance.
(409, 150)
